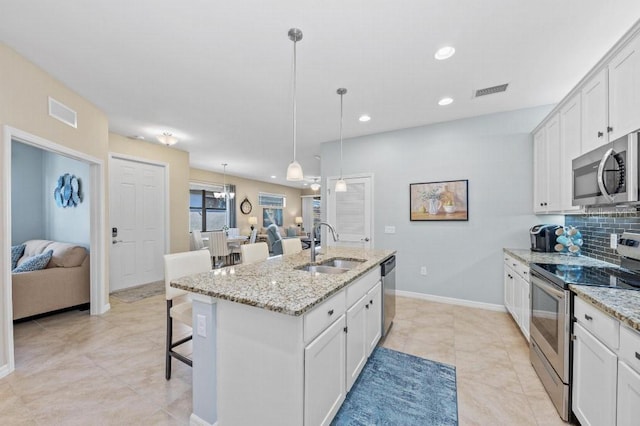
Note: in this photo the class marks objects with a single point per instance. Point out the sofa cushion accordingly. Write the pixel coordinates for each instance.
(35, 263)
(65, 255)
(16, 254)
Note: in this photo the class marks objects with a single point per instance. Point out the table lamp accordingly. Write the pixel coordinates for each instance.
(298, 220)
(253, 220)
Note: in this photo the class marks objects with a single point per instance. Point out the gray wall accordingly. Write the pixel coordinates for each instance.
(34, 175)
(463, 259)
(27, 209)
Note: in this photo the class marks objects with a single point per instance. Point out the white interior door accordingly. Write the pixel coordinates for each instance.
(137, 215)
(351, 212)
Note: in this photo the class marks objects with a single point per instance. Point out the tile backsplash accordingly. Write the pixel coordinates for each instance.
(596, 229)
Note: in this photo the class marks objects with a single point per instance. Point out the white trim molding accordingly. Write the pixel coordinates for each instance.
(452, 301)
(197, 421)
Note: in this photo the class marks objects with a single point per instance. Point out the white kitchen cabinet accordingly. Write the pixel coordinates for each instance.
(595, 112)
(517, 292)
(324, 372)
(546, 167)
(624, 90)
(374, 317)
(364, 327)
(594, 379)
(356, 340)
(628, 410)
(570, 148)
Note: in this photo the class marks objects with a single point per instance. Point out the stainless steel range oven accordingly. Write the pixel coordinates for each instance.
(550, 330)
(552, 313)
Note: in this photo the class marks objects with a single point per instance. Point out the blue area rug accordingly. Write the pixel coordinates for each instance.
(401, 389)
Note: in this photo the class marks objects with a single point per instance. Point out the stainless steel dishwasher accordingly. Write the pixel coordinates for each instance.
(389, 293)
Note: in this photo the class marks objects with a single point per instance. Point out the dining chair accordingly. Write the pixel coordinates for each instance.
(252, 253)
(252, 238)
(218, 246)
(291, 246)
(179, 308)
(196, 240)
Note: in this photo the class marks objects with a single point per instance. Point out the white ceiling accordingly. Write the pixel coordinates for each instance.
(218, 75)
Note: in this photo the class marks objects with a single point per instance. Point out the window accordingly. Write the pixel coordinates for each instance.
(208, 213)
(272, 200)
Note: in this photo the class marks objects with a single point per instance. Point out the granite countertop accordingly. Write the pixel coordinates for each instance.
(276, 286)
(620, 303)
(528, 256)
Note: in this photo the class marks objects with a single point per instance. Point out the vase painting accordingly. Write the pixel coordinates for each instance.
(439, 201)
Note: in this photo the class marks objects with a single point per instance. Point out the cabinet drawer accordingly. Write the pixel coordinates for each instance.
(630, 347)
(362, 285)
(517, 266)
(601, 325)
(323, 315)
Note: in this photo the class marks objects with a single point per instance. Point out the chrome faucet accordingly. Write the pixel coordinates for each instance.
(334, 234)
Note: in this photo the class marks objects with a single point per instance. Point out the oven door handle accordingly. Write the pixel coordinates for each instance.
(550, 288)
(601, 166)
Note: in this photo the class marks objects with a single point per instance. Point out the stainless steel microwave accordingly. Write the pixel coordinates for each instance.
(607, 175)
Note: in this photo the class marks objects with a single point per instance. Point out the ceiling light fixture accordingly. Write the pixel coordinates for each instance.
(273, 176)
(364, 118)
(294, 171)
(315, 185)
(445, 101)
(444, 53)
(224, 194)
(168, 139)
(341, 185)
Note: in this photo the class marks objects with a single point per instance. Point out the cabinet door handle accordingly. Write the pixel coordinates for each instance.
(371, 302)
(345, 329)
(366, 306)
(609, 129)
(588, 317)
(637, 355)
(330, 312)
(600, 134)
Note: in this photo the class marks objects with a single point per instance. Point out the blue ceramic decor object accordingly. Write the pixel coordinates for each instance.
(569, 240)
(67, 192)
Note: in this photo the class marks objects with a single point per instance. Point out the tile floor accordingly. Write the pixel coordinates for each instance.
(74, 369)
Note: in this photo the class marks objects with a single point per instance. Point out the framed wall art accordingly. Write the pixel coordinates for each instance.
(270, 216)
(438, 201)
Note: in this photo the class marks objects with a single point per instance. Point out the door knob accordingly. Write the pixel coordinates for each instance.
(365, 239)
(116, 241)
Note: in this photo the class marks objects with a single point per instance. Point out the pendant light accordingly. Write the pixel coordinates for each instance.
(224, 193)
(294, 171)
(341, 185)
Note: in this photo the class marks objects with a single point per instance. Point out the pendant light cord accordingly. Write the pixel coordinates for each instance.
(294, 99)
(341, 115)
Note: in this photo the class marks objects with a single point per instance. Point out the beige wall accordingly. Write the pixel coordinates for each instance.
(24, 92)
(250, 188)
(178, 162)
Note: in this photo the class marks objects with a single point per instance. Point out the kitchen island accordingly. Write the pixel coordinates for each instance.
(275, 344)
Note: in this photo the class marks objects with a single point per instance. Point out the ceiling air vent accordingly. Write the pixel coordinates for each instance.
(491, 90)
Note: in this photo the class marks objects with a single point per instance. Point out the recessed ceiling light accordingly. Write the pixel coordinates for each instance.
(305, 184)
(273, 176)
(364, 118)
(445, 101)
(445, 53)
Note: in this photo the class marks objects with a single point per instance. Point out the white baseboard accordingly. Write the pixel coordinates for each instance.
(452, 301)
(4, 370)
(197, 421)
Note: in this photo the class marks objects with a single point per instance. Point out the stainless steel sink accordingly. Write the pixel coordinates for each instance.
(323, 269)
(343, 263)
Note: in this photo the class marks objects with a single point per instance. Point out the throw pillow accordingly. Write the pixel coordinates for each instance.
(292, 232)
(35, 263)
(16, 254)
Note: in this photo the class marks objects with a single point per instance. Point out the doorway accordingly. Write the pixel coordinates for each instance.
(137, 208)
(351, 212)
(98, 300)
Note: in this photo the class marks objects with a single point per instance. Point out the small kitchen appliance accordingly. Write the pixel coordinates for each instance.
(543, 237)
(552, 311)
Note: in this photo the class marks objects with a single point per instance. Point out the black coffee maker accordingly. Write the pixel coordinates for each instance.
(543, 237)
